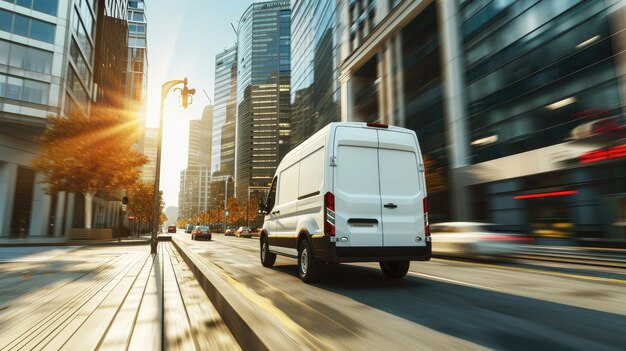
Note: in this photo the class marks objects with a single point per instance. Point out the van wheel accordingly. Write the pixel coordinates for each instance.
(267, 258)
(394, 269)
(309, 269)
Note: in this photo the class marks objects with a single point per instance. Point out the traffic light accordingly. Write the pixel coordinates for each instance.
(186, 93)
(125, 200)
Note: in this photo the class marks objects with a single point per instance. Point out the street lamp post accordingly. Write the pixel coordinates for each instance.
(165, 88)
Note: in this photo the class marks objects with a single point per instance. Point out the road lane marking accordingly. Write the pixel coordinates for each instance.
(533, 270)
(434, 277)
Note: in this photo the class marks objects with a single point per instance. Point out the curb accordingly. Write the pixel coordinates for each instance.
(252, 329)
(77, 243)
(576, 259)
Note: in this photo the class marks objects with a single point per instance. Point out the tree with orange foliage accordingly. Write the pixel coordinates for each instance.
(141, 203)
(203, 217)
(233, 207)
(250, 210)
(86, 154)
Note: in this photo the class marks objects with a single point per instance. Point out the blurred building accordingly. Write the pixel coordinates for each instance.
(263, 91)
(517, 105)
(195, 182)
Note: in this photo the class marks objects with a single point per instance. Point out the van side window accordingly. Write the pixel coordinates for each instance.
(271, 196)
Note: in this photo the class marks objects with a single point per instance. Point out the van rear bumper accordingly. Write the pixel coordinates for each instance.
(328, 252)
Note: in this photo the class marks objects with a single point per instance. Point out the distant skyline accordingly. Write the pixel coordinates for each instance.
(183, 39)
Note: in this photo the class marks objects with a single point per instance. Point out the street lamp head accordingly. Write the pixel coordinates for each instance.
(187, 95)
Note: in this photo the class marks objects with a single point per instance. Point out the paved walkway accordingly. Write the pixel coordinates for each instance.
(55, 241)
(106, 298)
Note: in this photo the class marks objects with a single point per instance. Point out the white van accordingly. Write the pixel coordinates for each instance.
(352, 192)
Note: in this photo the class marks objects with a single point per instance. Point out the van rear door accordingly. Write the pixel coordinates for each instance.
(356, 189)
(402, 189)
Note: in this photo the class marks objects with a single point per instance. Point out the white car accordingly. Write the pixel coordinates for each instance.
(352, 192)
(475, 239)
(244, 232)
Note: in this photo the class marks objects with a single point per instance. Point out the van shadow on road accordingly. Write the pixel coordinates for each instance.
(491, 319)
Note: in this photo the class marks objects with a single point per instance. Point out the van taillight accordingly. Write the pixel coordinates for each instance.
(426, 224)
(329, 214)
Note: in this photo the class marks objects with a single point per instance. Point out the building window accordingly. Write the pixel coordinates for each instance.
(28, 58)
(24, 89)
(79, 61)
(46, 6)
(26, 26)
(79, 93)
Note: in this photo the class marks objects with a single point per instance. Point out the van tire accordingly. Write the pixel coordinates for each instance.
(267, 258)
(309, 268)
(394, 269)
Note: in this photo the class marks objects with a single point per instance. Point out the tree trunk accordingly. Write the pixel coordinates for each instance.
(88, 209)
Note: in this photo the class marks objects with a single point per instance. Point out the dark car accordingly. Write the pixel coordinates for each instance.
(171, 229)
(201, 232)
(189, 228)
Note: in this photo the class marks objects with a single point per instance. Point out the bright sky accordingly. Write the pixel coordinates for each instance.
(183, 38)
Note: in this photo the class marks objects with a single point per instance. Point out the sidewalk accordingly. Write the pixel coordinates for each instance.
(108, 298)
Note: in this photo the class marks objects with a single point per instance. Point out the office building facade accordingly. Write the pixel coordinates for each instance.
(517, 105)
(195, 191)
(263, 92)
(136, 83)
(49, 65)
(200, 139)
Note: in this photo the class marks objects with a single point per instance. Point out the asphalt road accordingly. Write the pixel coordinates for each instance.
(441, 304)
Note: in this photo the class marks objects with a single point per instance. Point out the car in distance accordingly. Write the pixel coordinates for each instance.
(189, 228)
(171, 229)
(474, 239)
(201, 232)
(352, 192)
(229, 232)
(243, 232)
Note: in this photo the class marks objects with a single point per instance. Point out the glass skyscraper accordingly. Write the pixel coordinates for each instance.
(315, 89)
(263, 125)
(224, 112)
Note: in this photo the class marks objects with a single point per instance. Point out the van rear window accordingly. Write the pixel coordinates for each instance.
(399, 174)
